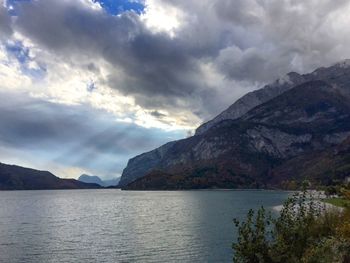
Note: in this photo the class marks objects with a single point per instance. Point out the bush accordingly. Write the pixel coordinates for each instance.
(253, 245)
(304, 232)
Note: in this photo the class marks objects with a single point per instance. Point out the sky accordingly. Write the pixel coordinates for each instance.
(87, 84)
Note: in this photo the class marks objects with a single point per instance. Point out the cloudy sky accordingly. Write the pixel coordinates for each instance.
(87, 84)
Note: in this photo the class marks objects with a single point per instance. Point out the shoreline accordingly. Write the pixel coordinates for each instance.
(319, 202)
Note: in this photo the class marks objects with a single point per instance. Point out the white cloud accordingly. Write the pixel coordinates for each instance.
(11, 76)
(66, 81)
(162, 17)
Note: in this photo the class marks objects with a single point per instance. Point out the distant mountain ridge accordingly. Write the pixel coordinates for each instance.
(14, 177)
(97, 180)
(244, 146)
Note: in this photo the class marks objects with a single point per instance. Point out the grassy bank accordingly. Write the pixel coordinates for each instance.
(339, 202)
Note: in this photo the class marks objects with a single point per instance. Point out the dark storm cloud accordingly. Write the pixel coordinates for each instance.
(265, 39)
(72, 27)
(5, 22)
(155, 66)
(250, 41)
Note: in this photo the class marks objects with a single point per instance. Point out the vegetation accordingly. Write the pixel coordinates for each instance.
(339, 195)
(340, 202)
(304, 232)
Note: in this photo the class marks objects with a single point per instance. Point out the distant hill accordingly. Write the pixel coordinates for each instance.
(97, 180)
(14, 177)
(90, 179)
(268, 139)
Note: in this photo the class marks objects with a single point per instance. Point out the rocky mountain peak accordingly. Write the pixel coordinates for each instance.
(337, 75)
(343, 64)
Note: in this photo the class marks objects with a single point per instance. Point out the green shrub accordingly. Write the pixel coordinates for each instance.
(253, 245)
(304, 232)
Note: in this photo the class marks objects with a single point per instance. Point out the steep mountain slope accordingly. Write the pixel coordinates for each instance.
(320, 167)
(18, 178)
(143, 163)
(253, 99)
(241, 153)
(336, 77)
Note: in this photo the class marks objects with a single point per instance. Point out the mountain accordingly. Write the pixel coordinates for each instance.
(90, 179)
(253, 99)
(241, 153)
(305, 114)
(97, 180)
(337, 74)
(14, 177)
(323, 167)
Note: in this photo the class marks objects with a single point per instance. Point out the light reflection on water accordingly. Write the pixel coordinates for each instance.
(120, 226)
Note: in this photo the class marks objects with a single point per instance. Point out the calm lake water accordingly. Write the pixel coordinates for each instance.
(121, 226)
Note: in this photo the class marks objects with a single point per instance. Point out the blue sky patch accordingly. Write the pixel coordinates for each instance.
(115, 7)
(17, 50)
(11, 6)
(21, 53)
(91, 86)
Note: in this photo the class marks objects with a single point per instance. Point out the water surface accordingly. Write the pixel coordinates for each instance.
(122, 226)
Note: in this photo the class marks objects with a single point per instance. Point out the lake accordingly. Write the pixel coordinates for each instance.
(121, 226)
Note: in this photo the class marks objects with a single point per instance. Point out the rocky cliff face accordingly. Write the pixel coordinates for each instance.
(143, 164)
(321, 167)
(293, 117)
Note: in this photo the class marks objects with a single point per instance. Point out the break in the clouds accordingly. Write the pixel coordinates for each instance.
(70, 140)
(151, 69)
